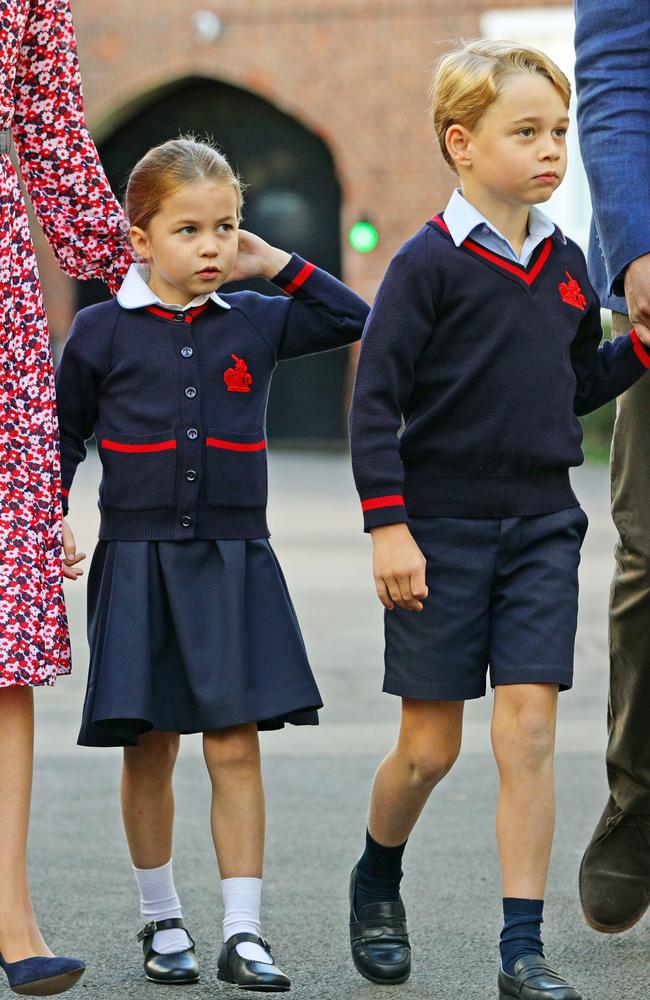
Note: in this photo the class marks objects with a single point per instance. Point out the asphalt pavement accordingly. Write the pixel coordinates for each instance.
(317, 784)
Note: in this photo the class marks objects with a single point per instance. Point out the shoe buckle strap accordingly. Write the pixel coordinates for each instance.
(148, 930)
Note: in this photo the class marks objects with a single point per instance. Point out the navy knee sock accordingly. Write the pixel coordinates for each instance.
(379, 872)
(521, 934)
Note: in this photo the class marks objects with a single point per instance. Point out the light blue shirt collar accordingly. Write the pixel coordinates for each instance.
(462, 219)
(135, 293)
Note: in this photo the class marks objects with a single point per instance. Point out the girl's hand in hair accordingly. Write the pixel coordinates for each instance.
(257, 259)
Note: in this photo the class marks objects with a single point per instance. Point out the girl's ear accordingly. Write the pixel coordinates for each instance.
(457, 141)
(140, 242)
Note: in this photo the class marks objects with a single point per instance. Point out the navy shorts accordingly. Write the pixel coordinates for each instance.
(503, 595)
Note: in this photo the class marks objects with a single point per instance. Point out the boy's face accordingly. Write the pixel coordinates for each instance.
(517, 152)
(191, 243)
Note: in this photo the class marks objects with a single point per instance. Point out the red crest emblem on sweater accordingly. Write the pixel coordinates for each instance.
(571, 292)
(238, 379)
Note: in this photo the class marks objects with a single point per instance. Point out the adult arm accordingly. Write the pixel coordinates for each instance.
(72, 198)
(613, 82)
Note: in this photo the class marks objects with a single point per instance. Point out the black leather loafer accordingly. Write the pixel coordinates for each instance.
(246, 974)
(379, 940)
(176, 969)
(534, 979)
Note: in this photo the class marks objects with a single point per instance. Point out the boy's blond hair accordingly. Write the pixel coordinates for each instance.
(467, 81)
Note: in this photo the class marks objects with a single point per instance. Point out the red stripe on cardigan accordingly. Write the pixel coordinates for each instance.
(640, 349)
(188, 315)
(391, 501)
(235, 445)
(117, 446)
(300, 278)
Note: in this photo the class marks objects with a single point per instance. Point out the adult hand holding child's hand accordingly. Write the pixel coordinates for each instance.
(637, 294)
(399, 568)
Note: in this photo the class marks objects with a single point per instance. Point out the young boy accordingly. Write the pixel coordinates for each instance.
(484, 339)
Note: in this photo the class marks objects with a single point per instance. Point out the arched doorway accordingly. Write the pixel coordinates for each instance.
(292, 200)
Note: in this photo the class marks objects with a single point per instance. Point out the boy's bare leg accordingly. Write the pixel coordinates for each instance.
(523, 739)
(427, 747)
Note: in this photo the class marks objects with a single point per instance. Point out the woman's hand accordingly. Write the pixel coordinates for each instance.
(70, 555)
(257, 259)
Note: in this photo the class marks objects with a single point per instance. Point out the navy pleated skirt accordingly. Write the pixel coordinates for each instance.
(191, 637)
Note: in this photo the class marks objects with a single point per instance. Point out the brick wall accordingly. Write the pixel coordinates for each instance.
(354, 71)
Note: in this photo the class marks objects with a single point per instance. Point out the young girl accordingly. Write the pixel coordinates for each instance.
(190, 624)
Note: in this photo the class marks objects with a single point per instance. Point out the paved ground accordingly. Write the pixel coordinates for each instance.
(318, 783)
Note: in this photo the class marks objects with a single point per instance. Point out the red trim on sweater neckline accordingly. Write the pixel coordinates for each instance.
(527, 276)
(188, 314)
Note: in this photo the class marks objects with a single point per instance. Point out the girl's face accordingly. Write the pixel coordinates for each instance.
(191, 242)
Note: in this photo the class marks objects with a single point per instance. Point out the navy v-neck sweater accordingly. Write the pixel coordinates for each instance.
(487, 365)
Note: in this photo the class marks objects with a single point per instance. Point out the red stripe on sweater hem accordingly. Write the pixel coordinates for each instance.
(376, 502)
(235, 445)
(300, 278)
(639, 349)
(116, 446)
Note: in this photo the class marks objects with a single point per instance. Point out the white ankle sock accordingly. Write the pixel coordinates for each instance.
(158, 901)
(241, 901)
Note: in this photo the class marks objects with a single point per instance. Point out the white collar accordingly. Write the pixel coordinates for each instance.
(461, 218)
(135, 293)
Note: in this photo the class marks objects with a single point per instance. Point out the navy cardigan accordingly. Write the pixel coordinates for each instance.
(177, 402)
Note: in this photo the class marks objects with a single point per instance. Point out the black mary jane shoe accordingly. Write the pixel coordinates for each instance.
(534, 979)
(176, 969)
(379, 940)
(249, 975)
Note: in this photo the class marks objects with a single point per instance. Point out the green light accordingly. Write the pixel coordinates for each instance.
(363, 236)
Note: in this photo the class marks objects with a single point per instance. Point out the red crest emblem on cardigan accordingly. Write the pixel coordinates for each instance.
(238, 379)
(571, 292)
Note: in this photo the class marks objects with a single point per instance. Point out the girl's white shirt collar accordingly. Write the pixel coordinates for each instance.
(135, 293)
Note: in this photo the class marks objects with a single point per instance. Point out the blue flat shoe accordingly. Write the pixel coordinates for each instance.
(42, 977)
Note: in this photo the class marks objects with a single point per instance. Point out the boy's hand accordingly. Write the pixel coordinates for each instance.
(399, 568)
(257, 259)
(70, 555)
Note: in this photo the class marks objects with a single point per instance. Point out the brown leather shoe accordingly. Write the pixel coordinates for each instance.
(615, 871)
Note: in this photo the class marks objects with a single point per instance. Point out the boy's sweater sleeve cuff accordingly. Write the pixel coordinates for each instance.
(294, 275)
(639, 349)
(383, 508)
(64, 500)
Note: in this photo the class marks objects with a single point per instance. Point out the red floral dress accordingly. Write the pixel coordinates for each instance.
(41, 102)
